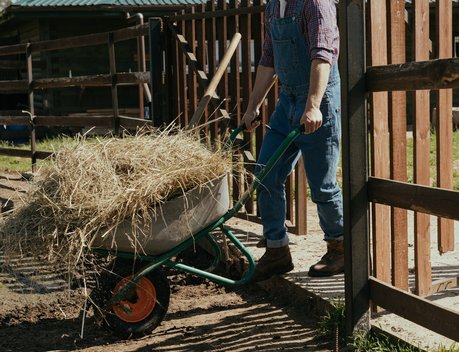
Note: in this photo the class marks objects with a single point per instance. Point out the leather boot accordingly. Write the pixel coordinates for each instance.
(261, 243)
(332, 262)
(274, 261)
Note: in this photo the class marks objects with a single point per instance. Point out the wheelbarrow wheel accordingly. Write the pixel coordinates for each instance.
(143, 306)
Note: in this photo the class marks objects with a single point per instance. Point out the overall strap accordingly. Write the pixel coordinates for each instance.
(270, 7)
(299, 5)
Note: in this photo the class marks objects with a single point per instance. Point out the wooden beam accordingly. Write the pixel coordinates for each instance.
(355, 167)
(432, 74)
(424, 199)
(416, 309)
(23, 153)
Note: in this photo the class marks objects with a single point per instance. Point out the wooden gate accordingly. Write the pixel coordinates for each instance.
(195, 41)
(375, 176)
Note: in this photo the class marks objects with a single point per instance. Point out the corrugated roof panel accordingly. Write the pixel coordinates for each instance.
(72, 3)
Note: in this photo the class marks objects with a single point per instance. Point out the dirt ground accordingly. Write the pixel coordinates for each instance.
(39, 312)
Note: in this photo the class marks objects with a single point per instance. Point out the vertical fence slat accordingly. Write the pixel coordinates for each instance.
(211, 52)
(33, 145)
(235, 93)
(444, 127)
(184, 116)
(201, 54)
(246, 74)
(300, 200)
(114, 88)
(222, 25)
(397, 120)
(421, 143)
(177, 103)
(234, 79)
(190, 37)
(380, 142)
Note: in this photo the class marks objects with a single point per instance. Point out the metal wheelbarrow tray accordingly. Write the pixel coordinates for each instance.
(132, 296)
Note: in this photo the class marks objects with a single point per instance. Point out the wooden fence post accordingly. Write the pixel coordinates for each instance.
(155, 70)
(355, 168)
(33, 145)
(116, 112)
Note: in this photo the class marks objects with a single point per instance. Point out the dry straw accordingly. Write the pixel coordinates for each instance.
(93, 186)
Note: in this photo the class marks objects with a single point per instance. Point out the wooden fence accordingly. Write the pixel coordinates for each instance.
(112, 79)
(187, 51)
(197, 49)
(384, 181)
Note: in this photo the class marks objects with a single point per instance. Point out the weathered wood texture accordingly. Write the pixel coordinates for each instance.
(421, 134)
(221, 20)
(355, 167)
(398, 128)
(419, 198)
(433, 74)
(418, 310)
(444, 126)
(395, 76)
(380, 142)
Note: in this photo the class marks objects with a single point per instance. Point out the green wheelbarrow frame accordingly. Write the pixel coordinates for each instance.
(165, 258)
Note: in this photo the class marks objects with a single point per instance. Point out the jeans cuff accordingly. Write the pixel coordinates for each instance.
(277, 243)
(335, 238)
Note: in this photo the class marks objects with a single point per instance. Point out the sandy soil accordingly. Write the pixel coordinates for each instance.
(39, 312)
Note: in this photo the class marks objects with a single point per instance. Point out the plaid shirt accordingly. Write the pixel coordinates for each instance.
(319, 25)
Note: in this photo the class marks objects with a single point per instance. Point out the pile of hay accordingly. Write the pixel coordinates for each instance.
(94, 186)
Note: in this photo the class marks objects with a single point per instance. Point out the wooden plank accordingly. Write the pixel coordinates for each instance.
(243, 10)
(222, 37)
(22, 153)
(201, 53)
(423, 199)
(13, 49)
(33, 142)
(418, 310)
(421, 132)
(183, 79)
(235, 94)
(74, 121)
(380, 143)
(156, 69)
(90, 39)
(432, 74)
(444, 125)
(17, 85)
(397, 122)
(15, 120)
(355, 168)
(300, 200)
(133, 123)
(212, 51)
(245, 22)
(114, 87)
(191, 76)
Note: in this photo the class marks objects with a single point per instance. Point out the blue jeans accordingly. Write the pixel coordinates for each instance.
(320, 151)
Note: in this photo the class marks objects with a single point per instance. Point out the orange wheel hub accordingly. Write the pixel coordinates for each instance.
(140, 301)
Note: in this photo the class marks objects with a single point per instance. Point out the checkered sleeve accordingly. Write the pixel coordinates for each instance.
(267, 56)
(321, 30)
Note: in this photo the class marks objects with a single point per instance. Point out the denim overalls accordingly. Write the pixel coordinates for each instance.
(320, 149)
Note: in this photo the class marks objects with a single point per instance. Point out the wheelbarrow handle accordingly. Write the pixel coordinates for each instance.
(242, 128)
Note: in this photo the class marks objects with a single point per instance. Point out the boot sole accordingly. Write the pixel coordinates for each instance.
(263, 277)
(315, 273)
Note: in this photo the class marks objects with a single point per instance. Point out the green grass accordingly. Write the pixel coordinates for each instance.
(18, 164)
(334, 319)
(433, 159)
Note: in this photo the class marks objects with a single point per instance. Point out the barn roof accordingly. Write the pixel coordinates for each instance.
(80, 3)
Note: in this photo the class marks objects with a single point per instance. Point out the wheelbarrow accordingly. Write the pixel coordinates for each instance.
(132, 298)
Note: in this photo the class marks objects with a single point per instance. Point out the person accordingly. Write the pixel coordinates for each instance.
(301, 49)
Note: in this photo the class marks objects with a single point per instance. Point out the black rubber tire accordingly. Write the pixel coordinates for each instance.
(103, 292)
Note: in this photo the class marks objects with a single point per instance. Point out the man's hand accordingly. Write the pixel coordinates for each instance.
(249, 120)
(311, 119)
